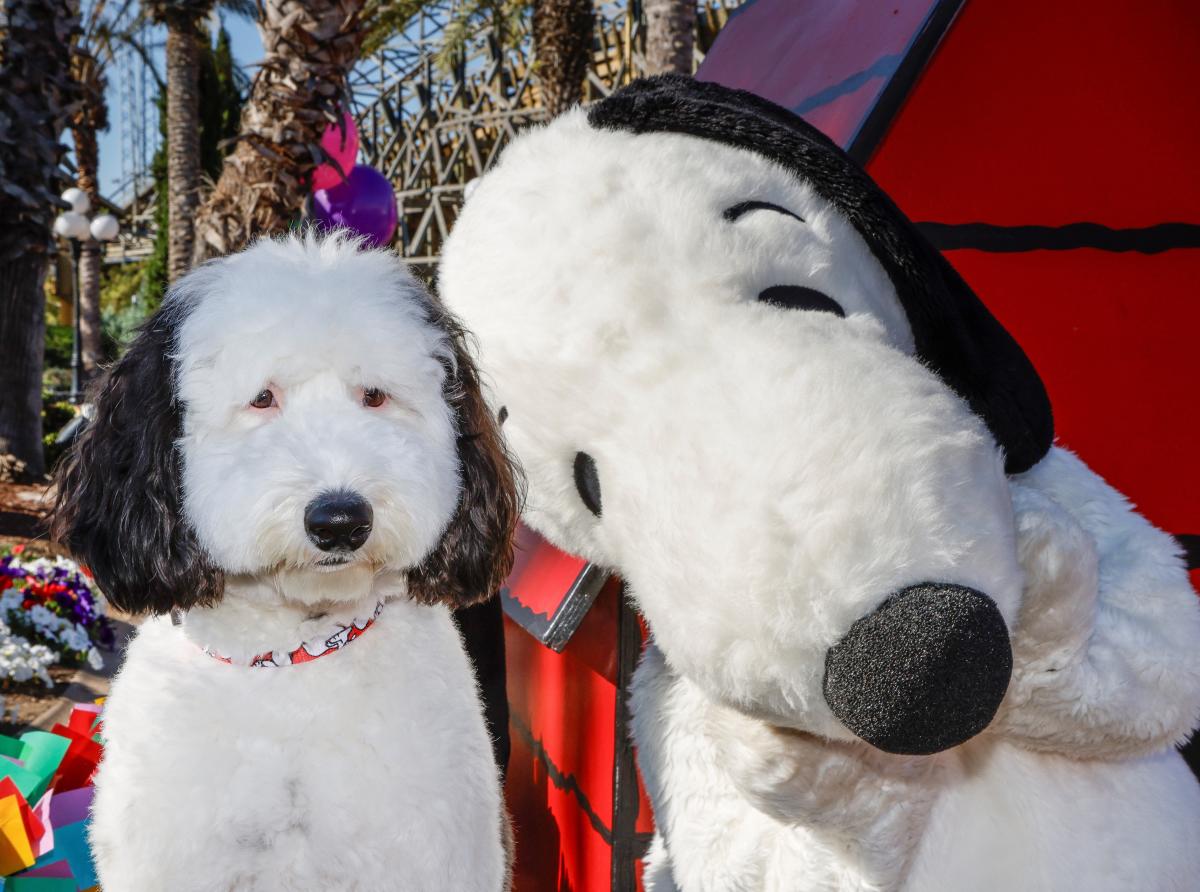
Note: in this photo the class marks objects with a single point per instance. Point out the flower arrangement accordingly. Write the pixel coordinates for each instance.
(49, 615)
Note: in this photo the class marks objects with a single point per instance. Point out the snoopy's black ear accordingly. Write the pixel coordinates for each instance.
(963, 342)
(955, 334)
(475, 554)
(118, 507)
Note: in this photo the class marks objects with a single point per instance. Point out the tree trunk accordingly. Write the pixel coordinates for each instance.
(90, 117)
(184, 50)
(36, 97)
(670, 28)
(310, 47)
(23, 334)
(562, 40)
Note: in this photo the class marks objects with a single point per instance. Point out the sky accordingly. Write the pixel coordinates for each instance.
(247, 51)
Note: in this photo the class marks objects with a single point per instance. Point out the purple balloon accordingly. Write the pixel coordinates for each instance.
(364, 204)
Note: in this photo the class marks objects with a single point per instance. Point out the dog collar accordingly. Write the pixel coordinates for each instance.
(310, 650)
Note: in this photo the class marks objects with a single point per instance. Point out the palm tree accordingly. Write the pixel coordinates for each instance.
(37, 97)
(223, 89)
(90, 117)
(91, 53)
(184, 47)
(186, 36)
(300, 86)
(670, 35)
(562, 46)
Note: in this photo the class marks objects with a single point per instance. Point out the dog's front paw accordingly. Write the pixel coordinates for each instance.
(1061, 565)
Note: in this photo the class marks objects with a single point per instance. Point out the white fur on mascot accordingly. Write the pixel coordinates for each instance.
(899, 639)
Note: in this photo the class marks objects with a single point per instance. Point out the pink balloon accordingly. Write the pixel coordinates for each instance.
(340, 144)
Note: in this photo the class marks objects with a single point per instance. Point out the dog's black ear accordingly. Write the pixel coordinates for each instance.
(118, 507)
(475, 554)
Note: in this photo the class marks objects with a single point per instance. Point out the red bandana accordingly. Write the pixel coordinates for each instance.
(309, 650)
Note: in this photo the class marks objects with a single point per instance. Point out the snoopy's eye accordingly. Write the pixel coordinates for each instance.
(373, 397)
(264, 400)
(798, 297)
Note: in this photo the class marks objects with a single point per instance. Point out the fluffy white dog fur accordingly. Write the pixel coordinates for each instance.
(371, 767)
(770, 476)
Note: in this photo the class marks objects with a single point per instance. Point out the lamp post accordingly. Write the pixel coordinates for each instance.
(76, 228)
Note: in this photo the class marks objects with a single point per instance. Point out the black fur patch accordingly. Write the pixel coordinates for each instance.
(955, 334)
(799, 297)
(587, 482)
(924, 672)
(119, 503)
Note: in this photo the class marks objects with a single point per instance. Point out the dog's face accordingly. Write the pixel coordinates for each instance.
(317, 439)
(319, 425)
(715, 389)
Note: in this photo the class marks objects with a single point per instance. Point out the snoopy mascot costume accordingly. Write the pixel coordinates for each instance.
(898, 639)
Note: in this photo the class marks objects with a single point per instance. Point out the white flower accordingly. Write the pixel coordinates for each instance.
(21, 661)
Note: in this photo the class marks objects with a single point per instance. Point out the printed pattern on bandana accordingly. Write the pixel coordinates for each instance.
(309, 650)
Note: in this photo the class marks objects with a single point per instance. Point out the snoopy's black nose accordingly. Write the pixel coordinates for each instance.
(338, 521)
(924, 672)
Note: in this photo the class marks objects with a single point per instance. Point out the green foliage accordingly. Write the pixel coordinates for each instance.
(58, 346)
(60, 342)
(119, 284)
(55, 415)
(222, 87)
(119, 327)
(154, 279)
(387, 18)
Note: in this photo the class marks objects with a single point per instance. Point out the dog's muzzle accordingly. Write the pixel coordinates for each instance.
(926, 671)
(338, 521)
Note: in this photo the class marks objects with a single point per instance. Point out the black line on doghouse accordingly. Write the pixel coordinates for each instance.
(565, 782)
(1069, 237)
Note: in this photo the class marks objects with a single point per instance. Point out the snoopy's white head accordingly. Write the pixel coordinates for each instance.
(735, 374)
(302, 414)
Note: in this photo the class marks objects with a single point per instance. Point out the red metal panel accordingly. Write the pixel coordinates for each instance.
(1074, 111)
(561, 769)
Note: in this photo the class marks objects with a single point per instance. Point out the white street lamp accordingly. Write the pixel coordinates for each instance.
(105, 228)
(71, 225)
(78, 200)
(74, 226)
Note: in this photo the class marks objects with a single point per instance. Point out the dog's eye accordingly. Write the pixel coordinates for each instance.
(798, 297)
(264, 400)
(373, 397)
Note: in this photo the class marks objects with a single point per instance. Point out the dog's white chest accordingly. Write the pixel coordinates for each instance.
(364, 770)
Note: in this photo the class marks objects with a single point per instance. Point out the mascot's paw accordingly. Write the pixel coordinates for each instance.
(1058, 608)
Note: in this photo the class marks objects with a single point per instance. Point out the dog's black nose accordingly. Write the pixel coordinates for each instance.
(338, 521)
(924, 672)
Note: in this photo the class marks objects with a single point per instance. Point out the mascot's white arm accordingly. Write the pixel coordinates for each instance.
(1106, 653)
(746, 805)
(870, 805)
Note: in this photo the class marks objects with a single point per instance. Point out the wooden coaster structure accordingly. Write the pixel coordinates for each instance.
(433, 124)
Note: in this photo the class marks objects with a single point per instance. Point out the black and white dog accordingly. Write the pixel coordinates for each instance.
(294, 454)
(900, 640)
